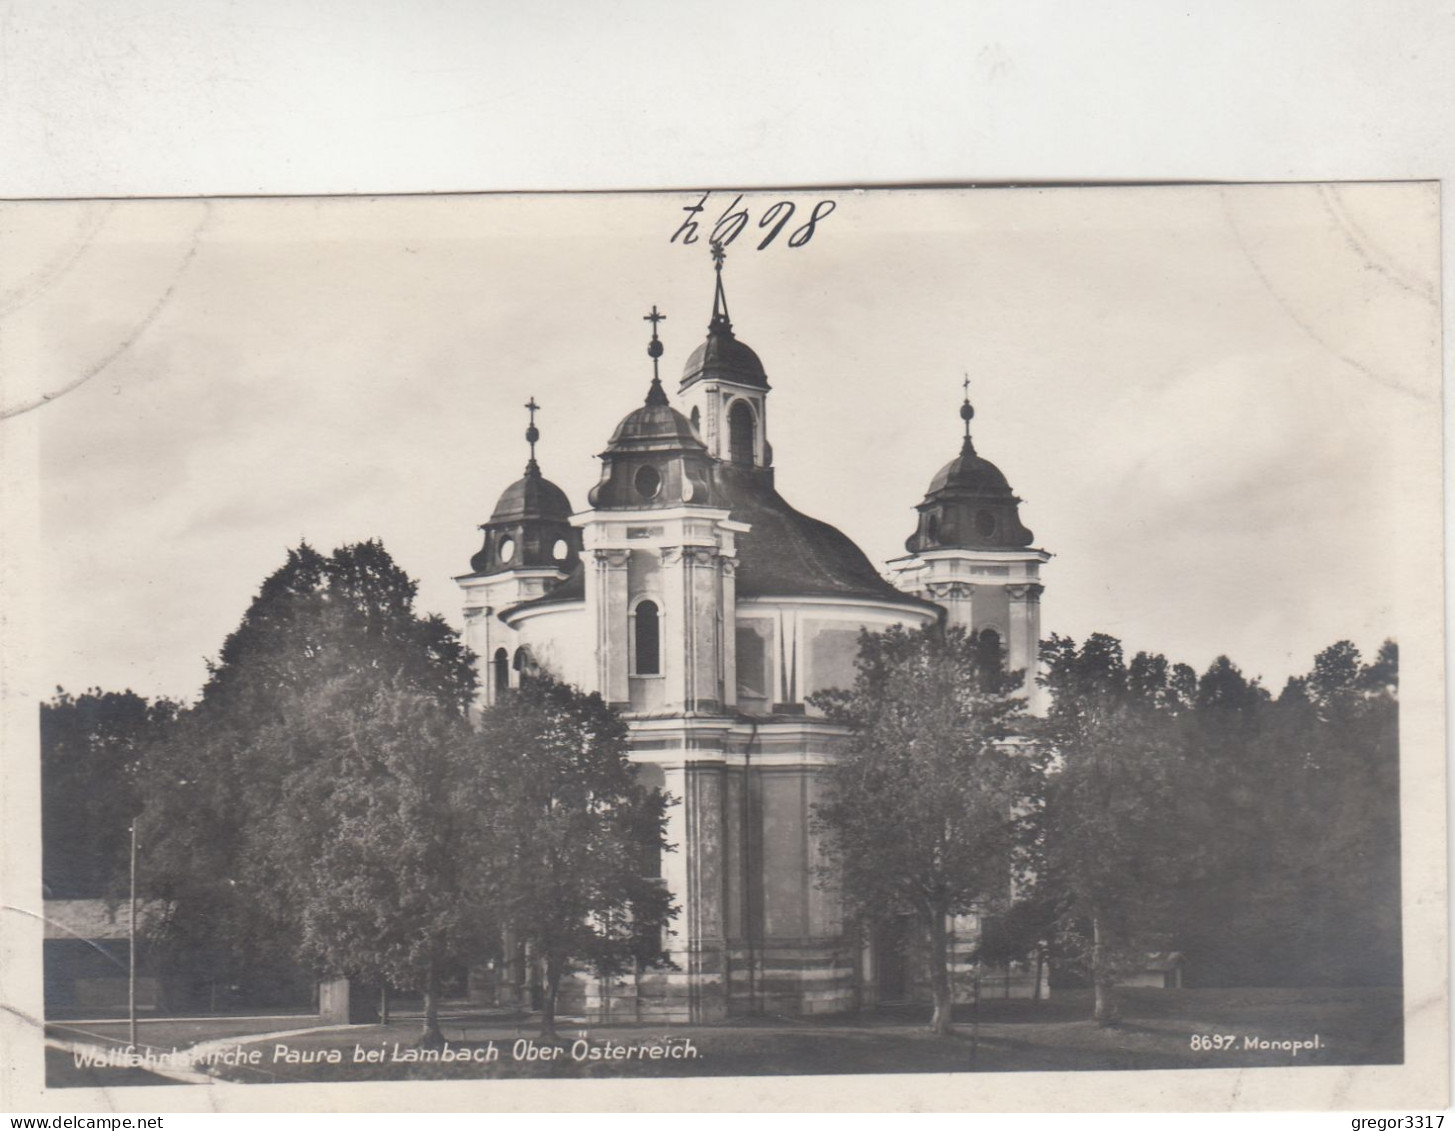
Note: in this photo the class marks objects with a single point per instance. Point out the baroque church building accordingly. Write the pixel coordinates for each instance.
(707, 610)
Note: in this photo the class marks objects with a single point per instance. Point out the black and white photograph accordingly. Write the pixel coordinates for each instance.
(810, 633)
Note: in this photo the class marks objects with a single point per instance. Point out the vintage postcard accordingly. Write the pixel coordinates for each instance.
(953, 648)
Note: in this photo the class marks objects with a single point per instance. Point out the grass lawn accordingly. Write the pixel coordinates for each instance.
(1353, 1026)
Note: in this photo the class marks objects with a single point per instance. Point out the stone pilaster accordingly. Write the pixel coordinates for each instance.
(1025, 635)
(606, 609)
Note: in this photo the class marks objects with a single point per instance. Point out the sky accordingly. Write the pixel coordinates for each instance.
(1219, 404)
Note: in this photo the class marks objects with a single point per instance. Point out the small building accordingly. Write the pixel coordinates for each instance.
(1162, 971)
(87, 955)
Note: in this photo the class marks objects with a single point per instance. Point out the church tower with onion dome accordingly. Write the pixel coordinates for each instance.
(726, 391)
(530, 548)
(971, 554)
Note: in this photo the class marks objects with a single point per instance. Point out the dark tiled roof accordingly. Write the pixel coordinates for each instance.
(789, 554)
(531, 497)
(722, 355)
(572, 589)
(970, 472)
(655, 426)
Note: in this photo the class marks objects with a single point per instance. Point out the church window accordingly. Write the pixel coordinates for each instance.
(647, 639)
(502, 670)
(742, 434)
(987, 651)
(521, 663)
(985, 523)
(560, 550)
(932, 528)
(696, 419)
(752, 663)
(507, 550)
(648, 482)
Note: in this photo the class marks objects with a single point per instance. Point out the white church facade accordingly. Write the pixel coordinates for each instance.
(707, 610)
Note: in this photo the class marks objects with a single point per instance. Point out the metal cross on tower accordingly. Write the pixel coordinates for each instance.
(654, 347)
(532, 433)
(967, 410)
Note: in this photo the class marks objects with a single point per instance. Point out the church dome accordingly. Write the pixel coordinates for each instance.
(532, 496)
(723, 356)
(655, 426)
(969, 505)
(970, 472)
(653, 459)
(530, 527)
(786, 553)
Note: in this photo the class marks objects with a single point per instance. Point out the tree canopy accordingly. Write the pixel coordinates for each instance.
(572, 835)
(1109, 832)
(920, 814)
(90, 749)
(1258, 837)
(317, 771)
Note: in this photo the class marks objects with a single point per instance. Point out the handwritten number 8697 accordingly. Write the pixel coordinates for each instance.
(733, 220)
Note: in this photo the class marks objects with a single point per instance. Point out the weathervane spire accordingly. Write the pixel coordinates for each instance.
(532, 434)
(719, 297)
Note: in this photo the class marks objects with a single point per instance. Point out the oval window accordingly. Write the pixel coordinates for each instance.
(985, 523)
(560, 550)
(648, 482)
(507, 549)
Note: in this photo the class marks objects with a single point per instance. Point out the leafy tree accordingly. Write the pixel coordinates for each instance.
(1227, 781)
(920, 813)
(1112, 839)
(571, 835)
(1343, 837)
(304, 709)
(90, 749)
(1295, 806)
(1259, 837)
(370, 847)
(317, 616)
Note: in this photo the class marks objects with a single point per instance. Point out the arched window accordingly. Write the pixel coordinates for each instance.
(988, 652)
(647, 638)
(521, 662)
(502, 670)
(742, 434)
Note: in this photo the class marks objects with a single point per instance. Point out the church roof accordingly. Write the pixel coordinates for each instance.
(789, 554)
(970, 472)
(531, 497)
(723, 356)
(573, 588)
(969, 505)
(656, 425)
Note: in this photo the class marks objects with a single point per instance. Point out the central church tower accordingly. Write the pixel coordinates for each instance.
(726, 390)
(660, 550)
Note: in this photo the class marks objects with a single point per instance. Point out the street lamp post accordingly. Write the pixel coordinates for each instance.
(131, 947)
